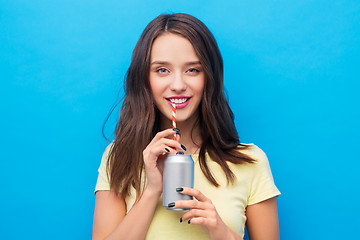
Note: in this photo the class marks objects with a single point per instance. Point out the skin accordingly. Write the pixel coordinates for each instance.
(175, 71)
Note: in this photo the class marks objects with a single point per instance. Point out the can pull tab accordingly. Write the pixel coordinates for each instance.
(180, 153)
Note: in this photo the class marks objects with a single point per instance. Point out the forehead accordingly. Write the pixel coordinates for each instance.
(172, 47)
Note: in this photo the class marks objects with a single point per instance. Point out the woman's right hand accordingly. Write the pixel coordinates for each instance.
(154, 155)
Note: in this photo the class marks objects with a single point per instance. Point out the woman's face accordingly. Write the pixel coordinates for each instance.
(176, 76)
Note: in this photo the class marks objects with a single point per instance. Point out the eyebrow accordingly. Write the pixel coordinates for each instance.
(167, 63)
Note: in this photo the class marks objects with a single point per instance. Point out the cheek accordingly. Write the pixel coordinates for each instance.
(156, 94)
(155, 88)
(199, 87)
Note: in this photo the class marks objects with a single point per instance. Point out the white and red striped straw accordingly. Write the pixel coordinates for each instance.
(174, 119)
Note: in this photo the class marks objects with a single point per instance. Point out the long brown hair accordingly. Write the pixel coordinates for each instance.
(140, 119)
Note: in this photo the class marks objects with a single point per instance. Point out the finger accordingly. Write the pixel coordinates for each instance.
(154, 151)
(170, 142)
(163, 134)
(177, 133)
(162, 146)
(198, 221)
(163, 149)
(178, 136)
(193, 213)
(192, 204)
(173, 144)
(195, 193)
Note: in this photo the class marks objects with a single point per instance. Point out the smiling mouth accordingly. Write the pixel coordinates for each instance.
(178, 100)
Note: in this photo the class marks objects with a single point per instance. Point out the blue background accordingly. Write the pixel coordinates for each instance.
(292, 78)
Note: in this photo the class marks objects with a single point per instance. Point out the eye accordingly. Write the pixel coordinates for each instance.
(162, 70)
(193, 70)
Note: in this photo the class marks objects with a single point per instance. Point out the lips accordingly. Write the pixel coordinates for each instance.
(179, 101)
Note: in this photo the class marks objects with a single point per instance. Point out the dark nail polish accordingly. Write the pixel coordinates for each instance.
(189, 222)
(167, 150)
(180, 153)
(183, 147)
(178, 133)
(176, 129)
(181, 220)
(171, 204)
(179, 189)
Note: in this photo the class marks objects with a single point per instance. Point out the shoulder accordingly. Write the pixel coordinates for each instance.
(103, 177)
(105, 156)
(261, 165)
(253, 151)
(260, 179)
(107, 150)
(109, 147)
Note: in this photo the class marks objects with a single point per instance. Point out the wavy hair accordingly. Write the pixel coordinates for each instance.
(140, 119)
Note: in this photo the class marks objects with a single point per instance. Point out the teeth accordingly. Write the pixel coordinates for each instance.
(178, 100)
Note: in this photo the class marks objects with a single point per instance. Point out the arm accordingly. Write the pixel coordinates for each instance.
(262, 220)
(111, 221)
(109, 212)
(110, 218)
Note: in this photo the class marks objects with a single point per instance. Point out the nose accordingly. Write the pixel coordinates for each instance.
(178, 84)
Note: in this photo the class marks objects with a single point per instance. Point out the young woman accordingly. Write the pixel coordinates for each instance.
(177, 60)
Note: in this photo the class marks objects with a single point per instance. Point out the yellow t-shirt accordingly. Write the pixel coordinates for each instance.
(254, 183)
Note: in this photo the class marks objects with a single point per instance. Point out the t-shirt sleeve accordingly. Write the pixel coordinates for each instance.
(103, 180)
(262, 185)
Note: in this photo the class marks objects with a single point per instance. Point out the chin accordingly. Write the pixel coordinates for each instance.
(184, 119)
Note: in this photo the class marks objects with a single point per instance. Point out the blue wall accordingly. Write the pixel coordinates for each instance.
(292, 75)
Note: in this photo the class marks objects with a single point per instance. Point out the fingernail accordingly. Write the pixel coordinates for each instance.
(178, 133)
(171, 204)
(167, 150)
(189, 222)
(181, 220)
(179, 189)
(180, 153)
(183, 147)
(176, 129)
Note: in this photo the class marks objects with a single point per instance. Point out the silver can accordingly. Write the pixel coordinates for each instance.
(178, 172)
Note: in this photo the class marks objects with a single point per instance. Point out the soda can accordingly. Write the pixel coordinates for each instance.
(178, 172)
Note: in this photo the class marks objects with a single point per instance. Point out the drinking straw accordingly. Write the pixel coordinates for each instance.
(174, 119)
